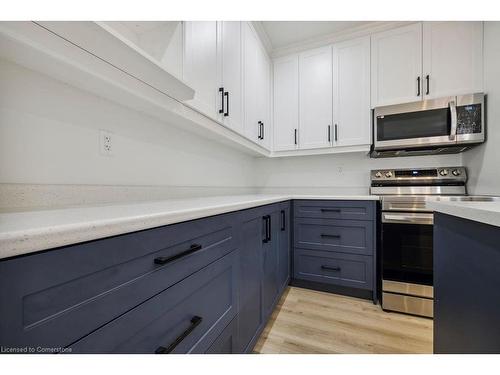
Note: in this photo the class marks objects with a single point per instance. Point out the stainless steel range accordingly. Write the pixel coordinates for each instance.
(407, 232)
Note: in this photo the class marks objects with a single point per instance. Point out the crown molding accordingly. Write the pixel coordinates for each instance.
(261, 32)
(350, 33)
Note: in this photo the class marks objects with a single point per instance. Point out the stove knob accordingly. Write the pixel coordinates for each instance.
(378, 174)
(456, 172)
(388, 174)
(443, 172)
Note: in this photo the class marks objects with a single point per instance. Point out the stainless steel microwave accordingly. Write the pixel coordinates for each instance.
(437, 126)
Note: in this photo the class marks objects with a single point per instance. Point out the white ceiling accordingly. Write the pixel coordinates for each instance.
(286, 33)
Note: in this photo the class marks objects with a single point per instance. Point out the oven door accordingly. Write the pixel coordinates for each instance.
(407, 241)
(428, 123)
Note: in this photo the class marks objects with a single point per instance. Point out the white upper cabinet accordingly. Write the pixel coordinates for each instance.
(264, 97)
(201, 65)
(315, 97)
(286, 102)
(231, 55)
(351, 93)
(251, 83)
(396, 66)
(256, 88)
(452, 58)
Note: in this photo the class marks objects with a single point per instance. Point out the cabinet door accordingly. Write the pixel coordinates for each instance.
(251, 83)
(264, 97)
(315, 92)
(453, 58)
(284, 248)
(250, 310)
(232, 74)
(201, 66)
(396, 66)
(286, 102)
(270, 264)
(351, 93)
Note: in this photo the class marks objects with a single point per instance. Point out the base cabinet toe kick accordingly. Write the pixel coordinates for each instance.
(203, 286)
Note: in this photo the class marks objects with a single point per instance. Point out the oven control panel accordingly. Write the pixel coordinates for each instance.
(419, 175)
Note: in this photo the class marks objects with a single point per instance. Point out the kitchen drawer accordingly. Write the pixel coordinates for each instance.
(226, 343)
(347, 236)
(334, 268)
(186, 318)
(348, 210)
(56, 297)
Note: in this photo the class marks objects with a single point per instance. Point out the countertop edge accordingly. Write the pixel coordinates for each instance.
(16, 243)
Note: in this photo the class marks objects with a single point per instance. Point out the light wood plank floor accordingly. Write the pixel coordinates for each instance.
(307, 321)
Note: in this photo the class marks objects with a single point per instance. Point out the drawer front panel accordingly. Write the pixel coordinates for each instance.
(226, 343)
(334, 268)
(348, 210)
(186, 318)
(348, 236)
(55, 298)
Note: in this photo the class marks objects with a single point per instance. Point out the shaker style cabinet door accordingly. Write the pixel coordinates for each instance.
(351, 93)
(251, 83)
(286, 102)
(315, 93)
(200, 65)
(264, 97)
(396, 66)
(453, 58)
(231, 52)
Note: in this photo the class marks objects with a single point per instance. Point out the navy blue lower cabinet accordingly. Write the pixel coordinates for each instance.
(251, 238)
(227, 342)
(348, 236)
(335, 209)
(334, 268)
(334, 247)
(186, 318)
(270, 248)
(53, 298)
(466, 286)
(284, 261)
(262, 230)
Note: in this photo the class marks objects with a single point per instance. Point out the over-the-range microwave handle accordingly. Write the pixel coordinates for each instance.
(453, 113)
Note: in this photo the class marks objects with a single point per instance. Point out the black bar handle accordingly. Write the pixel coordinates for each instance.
(283, 220)
(262, 124)
(427, 91)
(418, 86)
(221, 90)
(226, 94)
(266, 229)
(195, 322)
(336, 132)
(164, 260)
(329, 133)
(269, 229)
(330, 209)
(330, 268)
(260, 130)
(295, 135)
(330, 235)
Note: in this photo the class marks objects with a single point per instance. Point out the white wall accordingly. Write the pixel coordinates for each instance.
(483, 161)
(49, 134)
(339, 173)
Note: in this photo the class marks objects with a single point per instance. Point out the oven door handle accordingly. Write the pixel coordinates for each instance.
(404, 218)
(453, 113)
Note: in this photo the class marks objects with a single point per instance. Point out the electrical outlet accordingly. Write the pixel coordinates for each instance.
(106, 143)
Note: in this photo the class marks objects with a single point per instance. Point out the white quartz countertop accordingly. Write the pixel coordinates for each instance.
(30, 231)
(483, 212)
